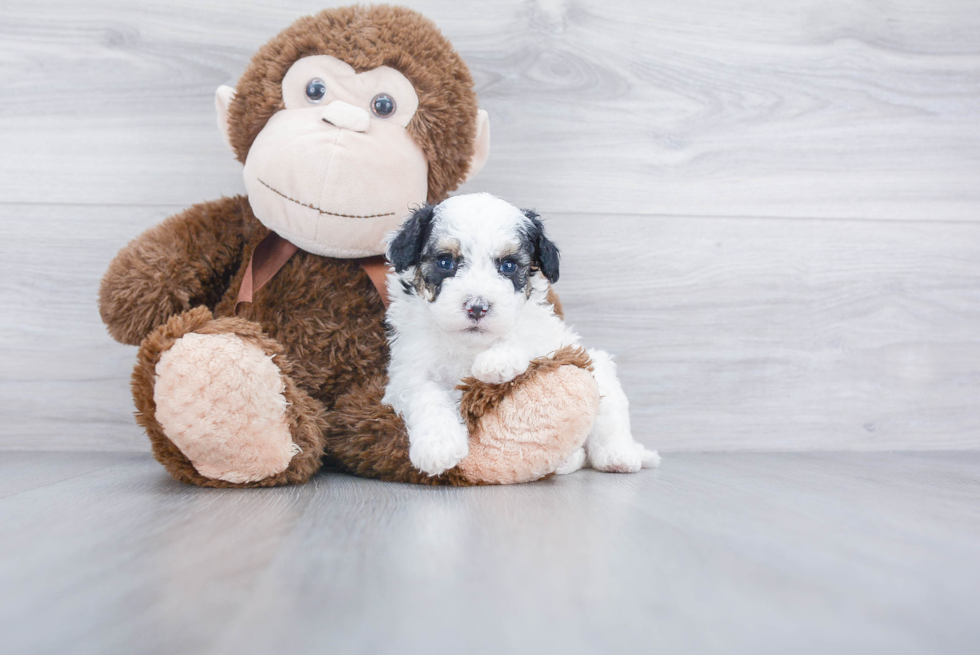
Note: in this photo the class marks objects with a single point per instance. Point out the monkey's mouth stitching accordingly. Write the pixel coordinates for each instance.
(322, 211)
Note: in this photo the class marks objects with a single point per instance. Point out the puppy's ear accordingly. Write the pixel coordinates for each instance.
(546, 253)
(406, 248)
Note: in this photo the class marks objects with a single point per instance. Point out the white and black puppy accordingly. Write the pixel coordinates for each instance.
(469, 298)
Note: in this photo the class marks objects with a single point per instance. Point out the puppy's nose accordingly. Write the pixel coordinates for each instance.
(477, 308)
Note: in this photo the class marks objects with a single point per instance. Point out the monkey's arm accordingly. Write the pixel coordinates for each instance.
(183, 262)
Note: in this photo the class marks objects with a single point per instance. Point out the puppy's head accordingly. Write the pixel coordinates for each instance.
(475, 260)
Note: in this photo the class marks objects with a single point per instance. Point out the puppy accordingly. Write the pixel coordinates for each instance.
(469, 298)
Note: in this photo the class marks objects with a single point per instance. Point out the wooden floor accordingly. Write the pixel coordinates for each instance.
(769, 211)
(713, 553)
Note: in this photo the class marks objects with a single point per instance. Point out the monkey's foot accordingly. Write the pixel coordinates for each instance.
(220, 399)
(526, 429)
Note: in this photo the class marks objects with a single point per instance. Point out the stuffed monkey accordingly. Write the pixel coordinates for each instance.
(259, 319)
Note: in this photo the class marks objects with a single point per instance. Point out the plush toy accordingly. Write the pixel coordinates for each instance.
(260, 319)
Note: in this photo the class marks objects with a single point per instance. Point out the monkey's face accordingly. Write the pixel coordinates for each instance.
(336, 168)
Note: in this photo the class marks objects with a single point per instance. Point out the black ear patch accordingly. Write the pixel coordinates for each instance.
(545, 253)
(406, 248)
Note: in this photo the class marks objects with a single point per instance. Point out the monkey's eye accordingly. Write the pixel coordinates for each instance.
(446, 264)
(507, 267)
(315, 90)
(383, 105)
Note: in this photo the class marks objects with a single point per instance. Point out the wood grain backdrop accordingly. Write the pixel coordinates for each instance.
(769, 211)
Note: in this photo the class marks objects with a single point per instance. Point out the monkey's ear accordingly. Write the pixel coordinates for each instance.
(222, 101)
(482, 151)
(546, 254)
(406, 248)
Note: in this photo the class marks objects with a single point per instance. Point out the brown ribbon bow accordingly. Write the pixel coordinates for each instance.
(273, 252)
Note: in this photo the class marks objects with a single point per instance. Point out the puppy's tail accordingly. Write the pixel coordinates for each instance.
(650, 458)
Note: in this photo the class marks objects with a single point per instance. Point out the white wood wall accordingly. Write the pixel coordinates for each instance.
(770, 211)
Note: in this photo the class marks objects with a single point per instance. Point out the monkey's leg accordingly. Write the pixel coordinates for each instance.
(519, 431)
(532, 426)
(221, 410)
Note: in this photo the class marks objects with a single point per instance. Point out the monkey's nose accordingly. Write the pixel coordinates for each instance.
(346, 116)
(477, 308)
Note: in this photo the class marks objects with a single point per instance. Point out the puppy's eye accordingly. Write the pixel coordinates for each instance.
(315, 90)
(507, 267)
(383, 105)
(445, 264)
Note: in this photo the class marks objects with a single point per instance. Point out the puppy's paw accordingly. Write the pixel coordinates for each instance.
(625, 458)
(574, 462)
(650, 458)
(435, 451)
(499, 365)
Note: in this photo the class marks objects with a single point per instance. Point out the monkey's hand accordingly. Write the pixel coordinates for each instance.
(175, 266)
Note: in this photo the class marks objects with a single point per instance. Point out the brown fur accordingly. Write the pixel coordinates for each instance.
(185, 261)
(556, 303)
(367, 37)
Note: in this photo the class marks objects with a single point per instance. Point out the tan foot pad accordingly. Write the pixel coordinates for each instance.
(220, 399)
(534, 429)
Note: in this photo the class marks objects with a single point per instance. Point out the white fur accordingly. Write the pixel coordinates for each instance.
(436, 345)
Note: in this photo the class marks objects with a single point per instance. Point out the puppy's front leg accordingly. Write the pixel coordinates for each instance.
(437, 436)
(501, 363)
(610, 446)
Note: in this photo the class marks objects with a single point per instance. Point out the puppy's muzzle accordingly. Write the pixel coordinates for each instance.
(477, 308)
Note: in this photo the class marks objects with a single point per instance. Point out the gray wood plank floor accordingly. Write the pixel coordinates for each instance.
(713, 553)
